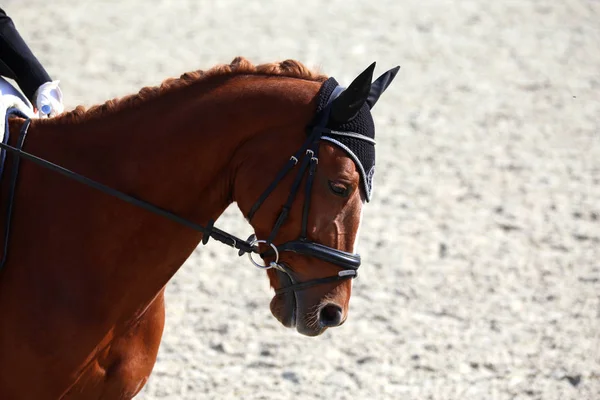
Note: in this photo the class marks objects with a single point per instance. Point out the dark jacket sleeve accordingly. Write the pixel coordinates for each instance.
(17, 61)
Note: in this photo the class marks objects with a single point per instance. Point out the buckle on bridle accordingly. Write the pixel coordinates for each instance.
(348, 272)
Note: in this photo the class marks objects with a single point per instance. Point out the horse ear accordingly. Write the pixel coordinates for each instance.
(349, 102)
(379, 86)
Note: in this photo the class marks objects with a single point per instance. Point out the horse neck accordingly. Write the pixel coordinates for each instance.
(178, 151)
(163, 147)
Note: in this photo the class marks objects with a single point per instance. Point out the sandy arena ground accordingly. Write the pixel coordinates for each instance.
(481, 248)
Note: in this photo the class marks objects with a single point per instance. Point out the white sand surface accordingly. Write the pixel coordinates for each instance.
(481, 248)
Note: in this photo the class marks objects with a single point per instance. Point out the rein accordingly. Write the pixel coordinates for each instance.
(208, 231)
(348, 262)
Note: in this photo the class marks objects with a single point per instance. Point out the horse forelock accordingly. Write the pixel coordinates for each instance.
(239, 66)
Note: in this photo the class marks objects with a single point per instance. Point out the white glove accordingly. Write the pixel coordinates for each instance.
(48, 99)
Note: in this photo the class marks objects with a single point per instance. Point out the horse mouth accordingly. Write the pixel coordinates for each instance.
(285, 309)
(292, 311)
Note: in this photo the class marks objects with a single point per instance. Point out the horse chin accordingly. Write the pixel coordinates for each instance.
(283, 307)
(309, 330)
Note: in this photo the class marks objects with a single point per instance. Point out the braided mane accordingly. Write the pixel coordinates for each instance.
(239, 66)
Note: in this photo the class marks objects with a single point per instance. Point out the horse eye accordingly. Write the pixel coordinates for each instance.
(339, 189)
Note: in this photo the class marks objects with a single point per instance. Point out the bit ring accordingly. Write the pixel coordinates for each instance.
(272, 264)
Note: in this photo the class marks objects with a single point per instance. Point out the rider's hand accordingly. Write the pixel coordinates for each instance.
(48, 99)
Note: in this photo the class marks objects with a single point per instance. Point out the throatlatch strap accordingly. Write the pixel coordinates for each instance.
(282, 173)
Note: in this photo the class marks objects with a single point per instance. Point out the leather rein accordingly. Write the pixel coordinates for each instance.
(306, 156)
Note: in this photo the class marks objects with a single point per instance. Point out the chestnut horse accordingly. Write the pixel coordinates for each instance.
(82, 290)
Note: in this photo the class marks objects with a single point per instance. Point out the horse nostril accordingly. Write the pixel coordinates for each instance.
(330, 315)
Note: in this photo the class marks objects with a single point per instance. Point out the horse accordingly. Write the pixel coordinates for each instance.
(106, 203)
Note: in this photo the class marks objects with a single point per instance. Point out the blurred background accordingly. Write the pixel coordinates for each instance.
(481, 247)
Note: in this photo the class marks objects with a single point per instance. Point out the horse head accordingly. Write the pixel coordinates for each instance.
(307, 213)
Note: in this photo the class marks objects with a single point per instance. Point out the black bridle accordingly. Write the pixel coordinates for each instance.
(307, 156)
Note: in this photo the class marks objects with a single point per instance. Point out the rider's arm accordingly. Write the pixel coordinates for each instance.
(17, 61)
